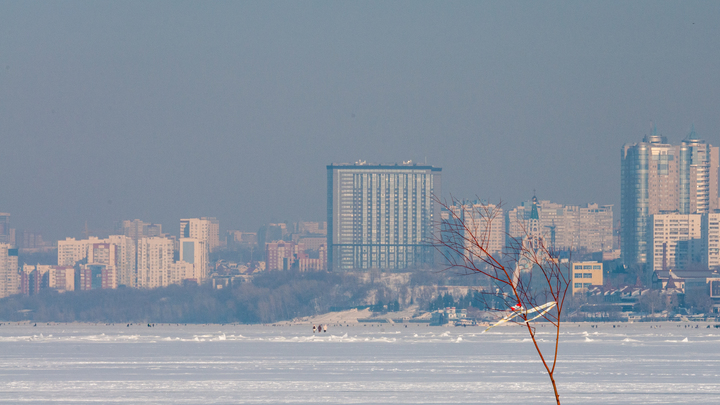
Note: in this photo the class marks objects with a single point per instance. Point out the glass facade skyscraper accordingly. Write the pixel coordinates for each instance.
(656, 178)
(697, 178)
(381, 216)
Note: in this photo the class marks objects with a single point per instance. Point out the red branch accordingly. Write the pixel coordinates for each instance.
(464, 242)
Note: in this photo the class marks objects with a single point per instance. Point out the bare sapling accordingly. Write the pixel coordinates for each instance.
(528, 282)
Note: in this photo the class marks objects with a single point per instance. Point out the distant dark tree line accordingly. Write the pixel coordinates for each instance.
(270, 297)
(473, 299)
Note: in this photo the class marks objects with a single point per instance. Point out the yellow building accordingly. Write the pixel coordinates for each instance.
(585, 275)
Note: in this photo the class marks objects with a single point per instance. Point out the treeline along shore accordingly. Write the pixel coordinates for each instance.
(275, 296)
(269, 297)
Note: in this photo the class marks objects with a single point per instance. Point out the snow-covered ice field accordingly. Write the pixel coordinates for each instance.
(631, 364)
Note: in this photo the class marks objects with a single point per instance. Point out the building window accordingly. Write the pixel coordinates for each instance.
(587, 285)
(578, 275)
(587, 275)
(578, 285)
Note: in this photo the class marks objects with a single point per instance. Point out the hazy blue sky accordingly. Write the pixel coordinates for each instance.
(162, 110)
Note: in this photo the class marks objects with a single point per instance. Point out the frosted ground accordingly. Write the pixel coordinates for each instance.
(77, 363)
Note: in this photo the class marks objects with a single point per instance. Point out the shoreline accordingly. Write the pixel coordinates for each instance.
(355, 317)
(357, 323)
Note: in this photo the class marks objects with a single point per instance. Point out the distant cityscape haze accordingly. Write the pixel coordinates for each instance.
(162, 110)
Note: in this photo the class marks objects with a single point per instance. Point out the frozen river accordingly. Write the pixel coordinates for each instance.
(168, 364)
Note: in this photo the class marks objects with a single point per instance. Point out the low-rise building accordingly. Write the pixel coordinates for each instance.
(61, 278)
(585, 275)
(683, 280)
(182, 270)
(280, 255)
(96, 276)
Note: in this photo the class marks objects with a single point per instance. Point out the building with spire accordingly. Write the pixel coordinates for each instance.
(534, 222)
(563, 227)
(660, 178)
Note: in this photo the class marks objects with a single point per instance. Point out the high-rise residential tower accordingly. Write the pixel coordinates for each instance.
(698, 175)
(204, 229)
(5, 233)
(381, 216)
(711, 234)
(481, 224)
(154, 262)
(9, 276)
(195, 252)
(657, 177)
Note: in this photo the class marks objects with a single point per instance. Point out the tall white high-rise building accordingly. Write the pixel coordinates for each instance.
(484, 225)
(195, 252)
(381, 216)
(5, 231)
(70, 251)
(711, 233)
(104, 256)
(125, 251)
(154, 262)
(9, 276)
(205, 229)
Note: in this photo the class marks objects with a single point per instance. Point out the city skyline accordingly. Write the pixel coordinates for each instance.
(162, 111)
(377, 201)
